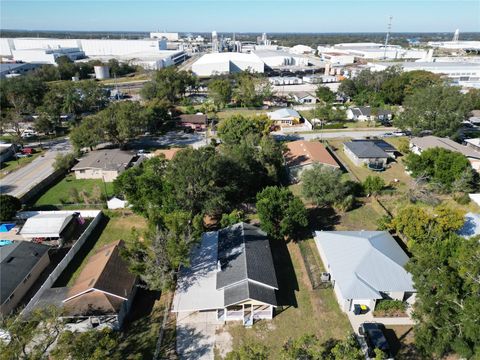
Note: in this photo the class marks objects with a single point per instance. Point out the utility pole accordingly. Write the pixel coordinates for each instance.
(389, 27)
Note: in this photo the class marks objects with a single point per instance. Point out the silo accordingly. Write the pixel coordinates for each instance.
(102, 72)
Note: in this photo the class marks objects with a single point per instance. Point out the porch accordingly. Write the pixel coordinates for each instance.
(247, 313)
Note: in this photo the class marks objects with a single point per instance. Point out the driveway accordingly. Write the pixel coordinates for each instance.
(196, 336)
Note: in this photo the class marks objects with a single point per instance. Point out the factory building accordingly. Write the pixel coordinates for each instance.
(461, 73)
(280, 58)
(170, 36)
(227, 63)
(46, 56)
(373, 51)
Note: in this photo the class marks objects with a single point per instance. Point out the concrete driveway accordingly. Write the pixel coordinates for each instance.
(196, 336)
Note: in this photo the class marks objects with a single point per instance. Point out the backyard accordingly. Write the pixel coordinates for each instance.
(70, 192)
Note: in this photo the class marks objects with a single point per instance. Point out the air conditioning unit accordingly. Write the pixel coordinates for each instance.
(325, 277)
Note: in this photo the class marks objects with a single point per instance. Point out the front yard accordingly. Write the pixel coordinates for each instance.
(306, 311)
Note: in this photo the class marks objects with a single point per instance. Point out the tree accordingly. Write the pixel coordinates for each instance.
(234, 217)
(251, 89)
(373, 185)
(64, 162)
(325, 94)
(306, 347)
(88, 134)
(252, 351)
(282, 215)
(43, 325)
(44, 124)
(347, 349)
(9, 205)
(323, 185)
(439, 109)
(237, 128)
(168, 84)
(93, 344)
(440, 167)
(220, 90)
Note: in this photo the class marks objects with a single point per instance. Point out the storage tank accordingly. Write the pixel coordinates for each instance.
(102, 72)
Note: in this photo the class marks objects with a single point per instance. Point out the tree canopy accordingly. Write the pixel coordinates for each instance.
(235, 129)
(220, 90)
(9, 205)
(168, 84)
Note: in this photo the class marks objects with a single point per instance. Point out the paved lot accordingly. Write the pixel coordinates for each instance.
(196, 335)
(172, 139)
(355, 134)
(19, 182)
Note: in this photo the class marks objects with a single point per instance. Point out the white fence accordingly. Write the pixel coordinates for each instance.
(55, 274)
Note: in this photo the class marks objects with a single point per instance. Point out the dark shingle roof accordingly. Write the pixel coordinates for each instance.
(244, 254)
(366, 149)
(16, 262)
(112, 159)
(249, 290)
(382, 144)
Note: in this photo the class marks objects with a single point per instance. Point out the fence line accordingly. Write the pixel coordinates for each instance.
(55, 274)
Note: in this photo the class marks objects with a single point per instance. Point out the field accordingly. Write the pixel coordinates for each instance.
(70, 192)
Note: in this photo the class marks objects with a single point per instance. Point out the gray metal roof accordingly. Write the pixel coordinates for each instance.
(364, 263)
(244, 253)
(366, 149)
(248, 290)
(16, 262)
(46, 225)
(108, 159)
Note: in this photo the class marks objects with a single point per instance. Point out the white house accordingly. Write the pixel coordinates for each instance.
(284, 116)
(232, 274)
(364, 267)
(304, 98)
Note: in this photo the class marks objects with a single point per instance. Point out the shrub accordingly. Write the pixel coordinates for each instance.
(373, 184)
(462, 199)
(64, 162)
(234, 217)
(384, 223)
(390, 306)
(346, 204)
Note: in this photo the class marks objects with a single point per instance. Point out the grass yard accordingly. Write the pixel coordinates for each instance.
(12, 165)
(119, 226)
(362, 218)
(72, 191)
(313, 311)
(239, 111)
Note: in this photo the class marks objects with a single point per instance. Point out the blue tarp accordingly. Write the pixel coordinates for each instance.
(471, 226)
(6, 227)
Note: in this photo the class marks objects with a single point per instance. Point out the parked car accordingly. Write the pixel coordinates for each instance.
(388, 134)
(375, 338)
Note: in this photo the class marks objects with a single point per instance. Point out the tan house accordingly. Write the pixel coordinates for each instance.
(301, 155)
(21, 264)
(103, 292)
(103, 164)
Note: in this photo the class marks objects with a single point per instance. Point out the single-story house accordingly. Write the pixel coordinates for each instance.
(232, 274)
(382, 144)
(284, 117)
(366, 152)
(49, 225)
(301, 155)
(103, 292)
(364, 113)
(6, 152)
(364, 267)
(195, 121)
(21, 263)
(418, 144)
(103, 164)
(304, 98)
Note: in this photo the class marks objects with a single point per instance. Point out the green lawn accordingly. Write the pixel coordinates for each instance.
(119, 226)
(316, 312)
(13, 165)
(239, 111)
(87, 192)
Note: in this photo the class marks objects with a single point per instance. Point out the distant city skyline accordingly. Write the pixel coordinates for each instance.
(308, 16)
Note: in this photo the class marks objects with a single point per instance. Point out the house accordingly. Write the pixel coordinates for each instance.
(365, 113)
(6, 152)
(104, 164)
(103, 292)
(49, 225)
(382, 144)
(366, 152)
(284, 117)
(418, 144)
(304, 98)
(194, 121)
(365, 267)
(232, 274)
(21, 264)
(302, 155)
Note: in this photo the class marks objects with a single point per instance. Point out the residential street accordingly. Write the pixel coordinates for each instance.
(356, 134)
(19, 182)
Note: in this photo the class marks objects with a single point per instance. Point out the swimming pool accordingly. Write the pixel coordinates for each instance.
(5, 242)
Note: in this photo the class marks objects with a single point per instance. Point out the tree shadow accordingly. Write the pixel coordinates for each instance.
(6, 188)
(285, 272)
(324, 218)
(191, 343)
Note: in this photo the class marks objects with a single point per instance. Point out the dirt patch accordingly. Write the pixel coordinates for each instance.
(223, 342)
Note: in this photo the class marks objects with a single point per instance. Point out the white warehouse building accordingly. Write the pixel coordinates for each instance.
(46, 56)
(227, 63)
(170, 36)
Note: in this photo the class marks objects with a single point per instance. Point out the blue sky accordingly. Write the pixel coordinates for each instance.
(241, 15)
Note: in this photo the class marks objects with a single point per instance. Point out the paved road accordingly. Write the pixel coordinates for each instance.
(359, 134)
(19, 182)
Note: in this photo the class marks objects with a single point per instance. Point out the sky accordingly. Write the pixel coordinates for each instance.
(242, 15)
